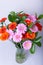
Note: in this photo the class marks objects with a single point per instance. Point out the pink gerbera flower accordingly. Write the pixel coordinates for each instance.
(32, 18)
(17, 37)
(21, 28)
(11, 34)
(27, 45)
(34, 28)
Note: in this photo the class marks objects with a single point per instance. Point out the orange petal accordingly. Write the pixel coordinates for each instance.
(12, 25)
(30, 35)
(4, 36)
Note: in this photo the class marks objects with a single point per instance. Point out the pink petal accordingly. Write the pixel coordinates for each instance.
(27, 45)
(34, 28)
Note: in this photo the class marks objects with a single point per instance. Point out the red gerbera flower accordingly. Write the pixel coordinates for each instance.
(39, 26)
(28, 21)
(3, 19)
(3, 29)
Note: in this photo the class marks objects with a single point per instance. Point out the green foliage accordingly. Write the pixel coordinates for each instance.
(29, 31)
(40, 16)
(38, 44)
(20, 12)
(30, 26)
(37, 39)
(12, 16)
(18, 45)
(23, 18)
(32, 50)
(36, 34)
(13, 13)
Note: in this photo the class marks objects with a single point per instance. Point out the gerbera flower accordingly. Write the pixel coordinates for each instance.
(34, 28)
(28, 21)
(30, 35)
(11, 33)
(27, 45)
(32, 18)
(4, 36)
(3, 19)
(17, 37)
(2, 29)
(39, 26)
(21, 28)
(12, 25)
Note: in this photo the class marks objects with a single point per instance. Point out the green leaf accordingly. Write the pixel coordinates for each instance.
(32, 50)
(16, 19)
(18, 45)
(30, 25)
(29, 31)
(20, 12)
(22, 22)
(23, 18)
(13, 13)
(40, 16)
(38, 39)
(38, 44)
(10, 18)
(36, 34)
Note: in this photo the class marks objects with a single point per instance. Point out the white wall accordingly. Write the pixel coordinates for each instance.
(7, 49)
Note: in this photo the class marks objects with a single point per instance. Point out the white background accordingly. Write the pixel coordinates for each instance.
(7, 49)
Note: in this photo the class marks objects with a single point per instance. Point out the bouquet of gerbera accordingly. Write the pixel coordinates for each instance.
(22, 31)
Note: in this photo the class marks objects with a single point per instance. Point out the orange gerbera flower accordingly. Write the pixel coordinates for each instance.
(30, 35)
(12, 25)
(2, 29)
(4, 36)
